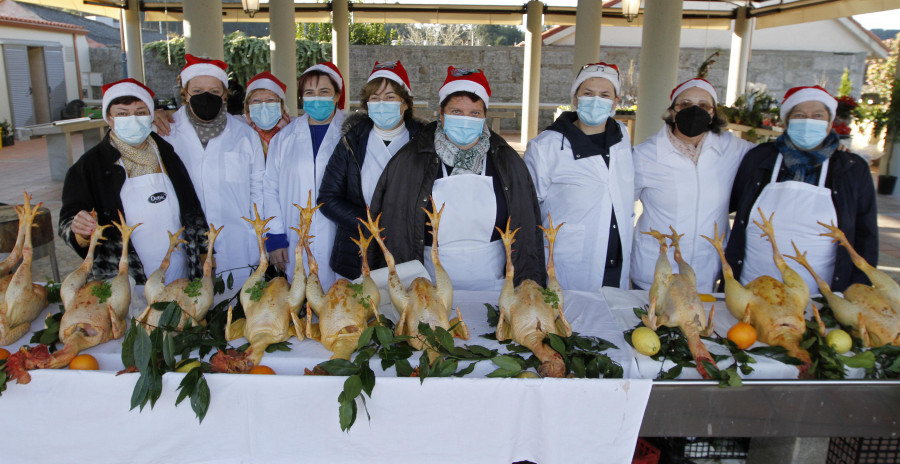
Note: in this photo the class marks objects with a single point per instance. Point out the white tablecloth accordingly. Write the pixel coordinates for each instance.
(83, 416)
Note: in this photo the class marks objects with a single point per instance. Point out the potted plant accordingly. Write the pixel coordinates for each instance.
(8, 137)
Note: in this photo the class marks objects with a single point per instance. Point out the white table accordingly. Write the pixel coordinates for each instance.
(79, 416)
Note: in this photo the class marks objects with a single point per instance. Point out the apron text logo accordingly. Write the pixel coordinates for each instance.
(157, 197)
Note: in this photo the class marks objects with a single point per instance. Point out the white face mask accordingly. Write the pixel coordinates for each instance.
(132, 130)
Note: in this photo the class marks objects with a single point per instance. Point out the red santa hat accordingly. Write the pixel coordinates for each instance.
(602, 70)
(695, 82)
(329, 68)
(267, 81)
(392, 70)
(798, 95)
(126, 88)
(203, 67)
(465, 80)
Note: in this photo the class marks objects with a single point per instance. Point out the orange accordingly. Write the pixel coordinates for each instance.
(742, 334)
(84, 362)
(4, 353)
(265, 370)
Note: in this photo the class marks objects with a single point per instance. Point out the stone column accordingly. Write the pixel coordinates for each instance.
(531, 83)
(131, 33)
(203, 33)
(658, 74)
(340, 39)
(588, 17)
(283, 49)
(891, 145)
(739, 62)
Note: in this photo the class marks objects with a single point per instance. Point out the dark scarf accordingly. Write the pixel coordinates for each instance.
(800, 165)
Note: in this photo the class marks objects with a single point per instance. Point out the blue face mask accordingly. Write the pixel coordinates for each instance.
(132, 130)
(318, 108)
(594, 111)
(385, 114)
(806, 134)
(462, 130)
(265, 115)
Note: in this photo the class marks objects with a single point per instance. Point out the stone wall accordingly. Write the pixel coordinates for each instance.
(427, 68)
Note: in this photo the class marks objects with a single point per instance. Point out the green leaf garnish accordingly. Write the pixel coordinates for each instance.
(256, 291)
(102, 291)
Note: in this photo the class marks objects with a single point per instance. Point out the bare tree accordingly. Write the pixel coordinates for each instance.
(436, 34)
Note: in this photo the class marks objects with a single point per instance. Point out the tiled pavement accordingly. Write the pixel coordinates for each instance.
(25, 166)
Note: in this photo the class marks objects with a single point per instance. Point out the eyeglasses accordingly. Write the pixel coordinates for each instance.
(254, 101)
(602, 68)
(386, 65)
(459, 72)
(705, 106)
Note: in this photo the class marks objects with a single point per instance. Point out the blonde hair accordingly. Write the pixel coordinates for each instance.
(284, 109)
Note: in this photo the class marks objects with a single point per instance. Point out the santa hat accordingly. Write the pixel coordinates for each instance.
(203, 67)
(126, 88)
(267, 81)
(392, 70)
(798, 95)
(602, 70)
(465, 80)
(695, 82)
(329, 68)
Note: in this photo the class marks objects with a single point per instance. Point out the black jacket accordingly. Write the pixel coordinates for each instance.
(405, 187)
(94, 183)
(852, 192)
(341, 190)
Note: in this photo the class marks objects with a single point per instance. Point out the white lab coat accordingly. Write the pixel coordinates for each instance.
(690, 197)
(291, 173)
(583, 193)
(228, 179)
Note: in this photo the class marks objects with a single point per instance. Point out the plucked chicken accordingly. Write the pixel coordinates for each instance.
(270, 307)
(422, 301)
(872, 311)
(529, 313)
(775, 309)
(21, 300)
(345, 311)
(195, 297)
(95, 311)
(674, 301)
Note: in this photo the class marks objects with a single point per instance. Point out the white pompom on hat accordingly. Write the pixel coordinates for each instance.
(602, 70)
(332, 70)
(392, 70)
(465, 80)
(267, 81)
(203, 67)
(126, 88)
(798, 95)
(695, 82)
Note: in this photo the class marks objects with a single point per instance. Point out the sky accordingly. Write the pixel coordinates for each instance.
(885, 20)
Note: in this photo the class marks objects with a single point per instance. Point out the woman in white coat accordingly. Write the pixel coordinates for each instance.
(224, 159)
(295, 166)
(583, 173)
(683, 176)
(264, 107)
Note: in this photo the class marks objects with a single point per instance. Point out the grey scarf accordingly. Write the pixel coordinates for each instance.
(469, 161)
(207, 130)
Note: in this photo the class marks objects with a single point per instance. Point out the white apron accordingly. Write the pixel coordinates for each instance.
(150, 200)
(464, 238)
(797, 206)
(377, 157)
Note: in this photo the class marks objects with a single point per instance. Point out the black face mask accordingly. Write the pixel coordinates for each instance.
(205, 106)
(692, 121)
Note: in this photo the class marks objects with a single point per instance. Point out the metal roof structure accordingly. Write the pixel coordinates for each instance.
(706, 13)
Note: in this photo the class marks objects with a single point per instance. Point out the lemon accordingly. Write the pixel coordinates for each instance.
(528, 375)
(839, 340)
(186, 365)
(707, 298)
(645, 341)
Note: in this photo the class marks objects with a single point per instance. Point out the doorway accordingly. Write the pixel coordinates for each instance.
(40, 91)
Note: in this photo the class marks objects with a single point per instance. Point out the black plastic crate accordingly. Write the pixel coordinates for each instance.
(681, 450)
(850, 450)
